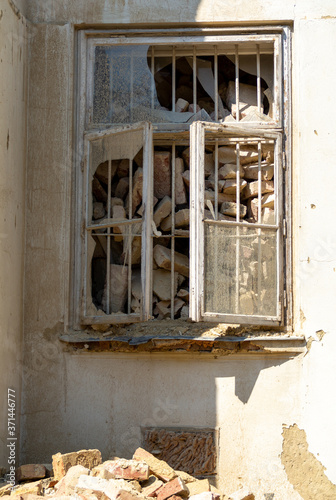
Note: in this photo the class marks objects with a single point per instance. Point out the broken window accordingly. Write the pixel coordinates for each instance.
(183, 179)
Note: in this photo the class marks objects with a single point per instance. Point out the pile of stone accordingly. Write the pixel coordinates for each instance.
(83, 476)
(171, 219)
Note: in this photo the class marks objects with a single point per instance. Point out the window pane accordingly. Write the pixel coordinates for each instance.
(240, 270)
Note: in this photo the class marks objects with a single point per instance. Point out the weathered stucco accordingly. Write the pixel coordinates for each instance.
(13, 100)
(73, 399)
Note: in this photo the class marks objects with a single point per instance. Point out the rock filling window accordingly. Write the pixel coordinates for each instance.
(183, 179)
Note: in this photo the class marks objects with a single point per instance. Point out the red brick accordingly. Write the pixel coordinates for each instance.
(30, 471)
(174, 487)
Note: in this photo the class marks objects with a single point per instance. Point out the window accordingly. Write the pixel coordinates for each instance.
(182, 195)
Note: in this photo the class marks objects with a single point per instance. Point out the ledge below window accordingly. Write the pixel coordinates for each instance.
(186, 337)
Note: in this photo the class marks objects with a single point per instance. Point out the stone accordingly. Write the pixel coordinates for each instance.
(162, 309)
(178, 304)
(181, 220)
(175, 486)
(226, 154)
(118, 213)
(162, 174)
(251, 189)
(34, 488)
(181, 105)
(230, 208)
(123, 168)
(187, 478)
(221, 197)
(199, 486)
(180, 190)
(67, 484)
(251, 171)
(229, 171)
(5, 490)
(137, 189)
(140, 211)
(206, 495)
(186, 157)
(183, 294)
(135, 305)
(136, 284)
(267, 201)
(185, 313)
(162, 257)
(230, 186)
(209, 215)
(150, 487)
(113, 489)
(247, 99)
(122, 187)
(194, 108)
(98, 210)
(242, 494)
(201, 115)
(116, 201)
(118, 288)
(98, 190)
(160, 468)
(62, 462)
(30, 472)
(209, 164)
(211, 184)
(102, 171)
(253, 208)
(162, 283)
(125, 469)
(248, 155)
(162, 210)
(267, 216)
(186, 177)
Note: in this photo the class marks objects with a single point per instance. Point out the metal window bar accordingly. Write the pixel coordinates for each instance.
(237, 220)
(108, 256)
(172, 248)
(237, 82)
(216, 81)
(174, 79)
(259, 230)
(153, 79)
(258, 79)
(132, 84)
(130, 208)
(194, 79)
(216, 179)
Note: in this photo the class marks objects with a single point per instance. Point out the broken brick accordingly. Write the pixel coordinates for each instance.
(63, 462)
(30, 472)
(174, 487)
(160, 468)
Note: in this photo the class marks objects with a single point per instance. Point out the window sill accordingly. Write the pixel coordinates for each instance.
(186, 337)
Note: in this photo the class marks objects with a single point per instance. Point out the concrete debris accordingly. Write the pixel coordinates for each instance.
(84, 476)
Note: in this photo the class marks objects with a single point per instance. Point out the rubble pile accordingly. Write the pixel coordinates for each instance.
(171, 220)
(83, 476)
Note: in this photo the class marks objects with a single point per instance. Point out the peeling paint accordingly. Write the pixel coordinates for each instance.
(317, 338)
(303, 470)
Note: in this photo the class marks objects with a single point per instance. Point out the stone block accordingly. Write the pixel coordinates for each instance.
(63, 462)
(162, 174)
(226, 154)
(247, 99)
(181, 220)
(98, 191)
(186, 157)
(183, 294)
(185, 312)
(199, 486)
(206, 495)
(175, 486)
(251, 172)
(162, 283)
(29, 472)
(181, 105)
(126, 469)
(102, 171)
(194, 108)
(98, 211)
(137, 189)
(229, 171)
(186, 177)
(122, 187)
(230, 208)
(123, 168)
(34, 488)
(162, 257)
(113, 489)
(180, 190)
(150, 487)
(67, 484)
(267, 201)
(162, 210)
(242, 494)
(267, 216)
(221, 197)
(209, 164)
(118, 288)
(187, 478)
(230, 186)
(160, 468)
(251, 189)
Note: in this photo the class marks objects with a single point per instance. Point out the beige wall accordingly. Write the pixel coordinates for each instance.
(73, 400)
(13, 100)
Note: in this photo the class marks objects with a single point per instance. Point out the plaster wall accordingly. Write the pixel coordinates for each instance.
(13, 100)
(74, 401)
